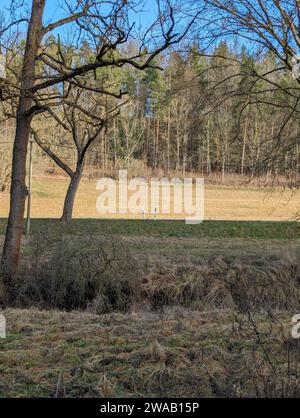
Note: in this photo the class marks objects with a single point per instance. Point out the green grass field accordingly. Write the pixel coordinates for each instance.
(176, 240)
(177, 229)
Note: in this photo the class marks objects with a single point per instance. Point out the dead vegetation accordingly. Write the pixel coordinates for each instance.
(85, 273)
(174, 353)
(101, 275)
(267, 283)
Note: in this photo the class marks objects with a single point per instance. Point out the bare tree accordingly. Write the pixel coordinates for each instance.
(79, 122)
(273, 25)
(268, 27)
(106, 26)
(131, 132)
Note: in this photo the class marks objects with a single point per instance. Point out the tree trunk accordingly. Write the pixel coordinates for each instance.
(11, 249)
(208, 162)
(169, 139)
(71, 194)
(244, 147)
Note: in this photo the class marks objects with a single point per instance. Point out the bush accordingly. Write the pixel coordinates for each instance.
(69, 273)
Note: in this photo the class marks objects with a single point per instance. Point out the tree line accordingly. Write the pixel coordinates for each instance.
(197, 115)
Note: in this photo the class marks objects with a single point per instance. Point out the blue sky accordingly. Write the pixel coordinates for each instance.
(144, 17)
(53, 11)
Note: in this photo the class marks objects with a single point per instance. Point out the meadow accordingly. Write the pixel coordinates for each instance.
(136, 302)
(182, 310)
(221, 202)
(206, 313)
(174, 353)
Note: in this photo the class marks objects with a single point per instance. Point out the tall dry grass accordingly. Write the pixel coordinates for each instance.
(65, 272)
(268, 283)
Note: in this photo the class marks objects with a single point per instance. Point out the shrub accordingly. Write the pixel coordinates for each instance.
(68, 273)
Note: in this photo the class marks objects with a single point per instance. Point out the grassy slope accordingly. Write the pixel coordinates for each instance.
(175, 240)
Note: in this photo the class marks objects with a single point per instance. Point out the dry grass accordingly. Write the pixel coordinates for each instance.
(175, 353)
(204, 328)
(221, 202)
(258, 284)
(62, 271)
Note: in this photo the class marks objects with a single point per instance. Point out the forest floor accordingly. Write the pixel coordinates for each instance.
(221, 202)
